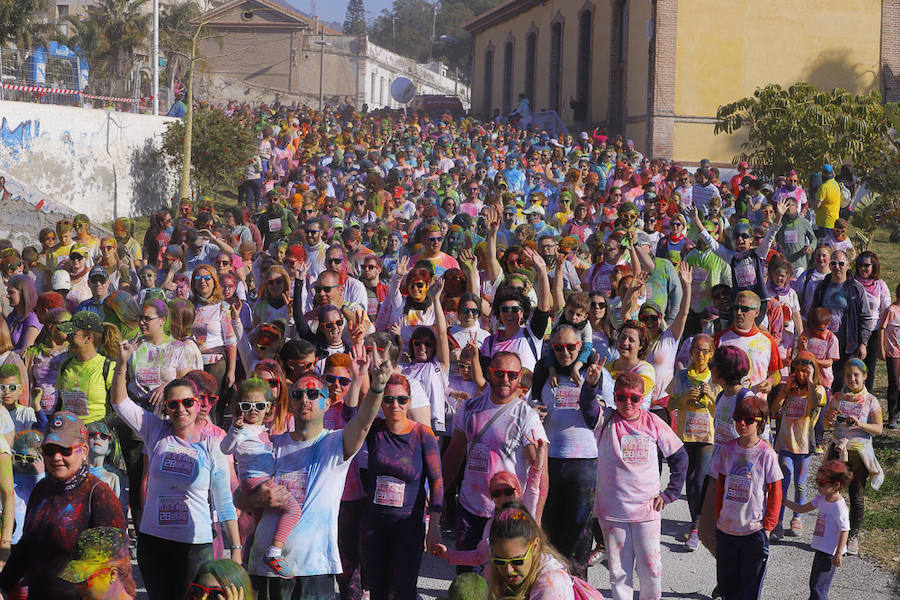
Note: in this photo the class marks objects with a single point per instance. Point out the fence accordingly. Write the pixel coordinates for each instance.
(57, 75)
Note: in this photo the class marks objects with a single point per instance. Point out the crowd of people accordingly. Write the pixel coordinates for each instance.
(440, 336)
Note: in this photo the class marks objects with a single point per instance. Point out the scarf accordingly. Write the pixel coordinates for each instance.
(413, 305)
(868, 285)
(675, 238)
(74, 481)
(780, 290)
(205, 301)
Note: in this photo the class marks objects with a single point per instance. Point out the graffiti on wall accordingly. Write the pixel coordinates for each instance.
(20, 136)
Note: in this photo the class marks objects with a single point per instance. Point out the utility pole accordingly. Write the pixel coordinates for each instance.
(155, 58)
(433, 29)
(321, 65)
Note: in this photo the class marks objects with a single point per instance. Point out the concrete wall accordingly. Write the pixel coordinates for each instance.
(104, 164)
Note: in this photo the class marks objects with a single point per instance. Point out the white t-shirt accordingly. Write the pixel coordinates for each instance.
(500, 448)
(662, 356)
(435, 381)
(831, 520)
(747, 473)
(314, 472)
(522, 343)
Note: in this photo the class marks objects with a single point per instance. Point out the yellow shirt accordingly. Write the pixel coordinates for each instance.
(81, 388)
(829, 197)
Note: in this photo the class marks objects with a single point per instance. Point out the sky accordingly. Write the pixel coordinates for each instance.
(334, 10)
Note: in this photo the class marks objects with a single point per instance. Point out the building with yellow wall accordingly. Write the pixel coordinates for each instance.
(656, 71)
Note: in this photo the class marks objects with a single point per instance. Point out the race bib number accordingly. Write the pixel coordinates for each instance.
(48, 400)
(745, 275)
(178, 460)
(274, 225)
(147, 377)
(737, 488)
(817, 347)
(696, 423)
(389, 491)
(295, 482)
(698, 275)
(819, 530)
(479, 460)
(795, 408)
(173, 510)
(372, 307)
(566, 397)
(75, 402)
(791, 236)
(635, 449)
(851, 409)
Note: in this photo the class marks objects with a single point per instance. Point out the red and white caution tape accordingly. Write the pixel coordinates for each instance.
(46, 90)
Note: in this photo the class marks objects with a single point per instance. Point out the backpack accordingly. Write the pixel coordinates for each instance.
(846, 196)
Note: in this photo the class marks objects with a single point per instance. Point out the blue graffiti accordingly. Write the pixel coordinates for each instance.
(19, 137)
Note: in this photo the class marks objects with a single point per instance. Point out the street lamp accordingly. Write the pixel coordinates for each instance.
(321, 43)
(155, 58)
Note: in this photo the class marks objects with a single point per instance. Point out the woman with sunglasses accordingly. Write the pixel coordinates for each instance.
(221, 580)
(403, 476)
(628, 502)
(417, 308)
(213, 330)
(63, 504)
(878, 297)
(274, 296)
(186, 472)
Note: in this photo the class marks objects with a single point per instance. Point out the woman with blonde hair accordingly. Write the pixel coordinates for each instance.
(274, 296)
(213, 331)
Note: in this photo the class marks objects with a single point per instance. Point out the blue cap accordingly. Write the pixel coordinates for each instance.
(826, 168)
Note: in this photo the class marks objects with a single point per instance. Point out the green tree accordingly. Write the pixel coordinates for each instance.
(801, 127)
(175, 31)
(22, 23)
(110, 33)
(220, 149)
(355, 18)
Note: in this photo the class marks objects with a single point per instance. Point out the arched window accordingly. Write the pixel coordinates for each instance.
(530, 66)
(556, 38)
(583, 80)
(507, 77)
(488, 82)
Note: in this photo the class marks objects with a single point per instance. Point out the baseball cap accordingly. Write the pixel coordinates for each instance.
(94, 549)
(83, 320)
(98, 270)
(337, 223)
(650, 307)
(535, 209)
(826, 168)
(79, 249)
(65, 429)
(60, 280)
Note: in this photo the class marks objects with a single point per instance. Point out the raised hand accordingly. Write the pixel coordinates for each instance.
(126, 348)
(357, 328)
(541, 446)
(437, 287)
(684, 273)
(403, 266)
(359, 362)
(594, 370)
(536, 259)
(379, 371)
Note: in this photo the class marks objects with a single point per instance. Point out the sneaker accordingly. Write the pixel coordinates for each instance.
(275, 563)
(820, 448)
(597, 556)
(716, 594)
(777, 534)
(852, 546)
(892, 424)
(796, 526)
(693, 542)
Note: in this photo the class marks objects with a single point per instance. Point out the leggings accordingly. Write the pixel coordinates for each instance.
(856, 488)
(567, 513)
(290, 513)
(633, 546)
(469, 532)
(699, 455)
(168, 567)
(350, 579)
(893, 391)
(133, 455)
(392, 551)
(796, 465)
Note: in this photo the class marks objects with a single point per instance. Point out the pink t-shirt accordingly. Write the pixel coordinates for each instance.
(891, 333)
(825, 348)
(747, 473)
(627, 469)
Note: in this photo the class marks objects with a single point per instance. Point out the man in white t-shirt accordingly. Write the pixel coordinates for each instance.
(311, 464)
(493, 432)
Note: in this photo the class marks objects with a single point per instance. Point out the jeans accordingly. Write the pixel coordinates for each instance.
(893, 391)
(392, 551)
(168, 567)
(699, 455)
(567, 513)
(741, 564)
(349, 581)
(820, 576)
(469, 531)
(796, 465)
(313, 587)
(249, 192)
(629, 547)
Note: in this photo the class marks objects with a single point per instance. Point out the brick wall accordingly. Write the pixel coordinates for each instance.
(661, 130)
(890, 50)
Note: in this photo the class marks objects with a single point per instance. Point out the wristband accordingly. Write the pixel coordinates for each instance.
(238, 547)
(376, 392)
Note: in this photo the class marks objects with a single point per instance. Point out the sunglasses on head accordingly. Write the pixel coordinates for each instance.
(332, 379)
(308, 394)
(622, 398)
(257, 406)
(98, 435)
(401, 400)
(50, 450)
(508, 492)
(747, 420)
(197, 591)
(185, 402)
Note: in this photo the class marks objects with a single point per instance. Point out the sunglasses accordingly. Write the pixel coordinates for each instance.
(648, 318)
(309, 394)
(501, 374)
(473, 312)
(334, 261)
(324, 289)
(434, 239)
(508, 492)
(50, 450)
(332, 379)
(515, 562)
(598, 304)
(74, 257)
(419, 285)
(511, 309)
(312, 231)
(257, 406)
(742, 236)
(197, 591)
(370, 349)
(223, 263)
(99, 435)
(401, 400)
(863, 265)
(203, 278)
(747, 420)
(369, 267)
(10, 387)
(333, 324)
(567, 347)
(147, 319)
(624, 398)
(25, 458)
(172, 404)
(278, 281)
(744, 309)
(837, 263)
(421, 344)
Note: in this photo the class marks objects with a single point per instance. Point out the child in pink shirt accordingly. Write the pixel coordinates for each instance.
(890, 349)
(823, 344)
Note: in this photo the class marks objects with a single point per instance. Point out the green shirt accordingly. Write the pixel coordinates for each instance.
(709, 270)
(81, 388)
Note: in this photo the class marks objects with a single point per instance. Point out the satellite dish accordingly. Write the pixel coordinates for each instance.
(402, 90)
